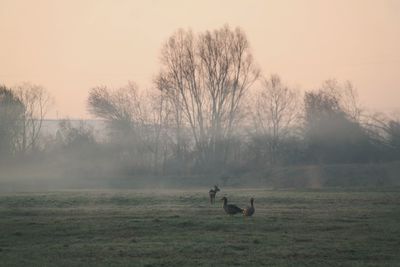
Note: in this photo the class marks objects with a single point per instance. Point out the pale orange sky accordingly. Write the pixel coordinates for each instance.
(72, 45)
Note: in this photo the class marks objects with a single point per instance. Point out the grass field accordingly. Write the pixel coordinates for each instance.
(180, 228)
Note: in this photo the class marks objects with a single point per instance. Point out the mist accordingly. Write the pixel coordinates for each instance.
(211, 116)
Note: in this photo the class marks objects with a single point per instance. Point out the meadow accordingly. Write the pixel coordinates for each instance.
(324, 227)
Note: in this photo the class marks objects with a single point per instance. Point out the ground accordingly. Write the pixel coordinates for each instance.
(330, 227)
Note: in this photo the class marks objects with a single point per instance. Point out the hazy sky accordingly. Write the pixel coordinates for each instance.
(70, 46)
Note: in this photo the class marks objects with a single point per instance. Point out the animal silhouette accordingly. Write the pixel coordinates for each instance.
(213, 192)
(230, 208)
(249, 211)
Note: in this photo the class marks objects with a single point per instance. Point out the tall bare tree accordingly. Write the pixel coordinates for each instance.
(276, 112)
(205, 78)
(175, 119)
(36, 101)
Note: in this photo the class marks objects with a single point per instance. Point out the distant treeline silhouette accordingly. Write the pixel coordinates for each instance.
(210, 111)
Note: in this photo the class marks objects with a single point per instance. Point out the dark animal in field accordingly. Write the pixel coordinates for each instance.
(213, 193)
(231, 209)
(249, 211)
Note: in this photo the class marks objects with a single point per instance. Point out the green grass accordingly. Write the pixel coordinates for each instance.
(180, 228)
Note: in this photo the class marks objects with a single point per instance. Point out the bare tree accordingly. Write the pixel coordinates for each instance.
(36, 101)
(383, 129)
(174, 120)
(276, 112)
(333, 130)
(70, 136)
(158, 128)
(205, 77)
(121, 108)
(346, 96)
(135, 121)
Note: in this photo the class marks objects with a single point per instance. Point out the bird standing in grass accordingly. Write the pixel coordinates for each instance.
(249, 211)
(231, 209)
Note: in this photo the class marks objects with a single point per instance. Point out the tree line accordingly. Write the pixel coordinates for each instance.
(210, 110)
